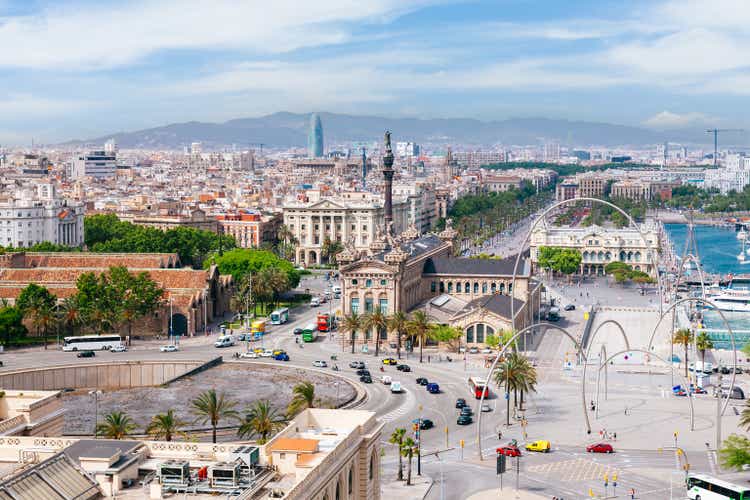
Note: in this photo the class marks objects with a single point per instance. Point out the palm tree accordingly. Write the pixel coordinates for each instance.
(351, 324)
(377, 321)
(683, 336)
(116, 425)
(408, 449)
(262, 420)
(304, 397)
(165, 425)
(419, 326)
(71, 313)
(286, 240)
(398, 322)
(745, 417)
(397, 438)
(212, 408)
(516, 374)
(703, 343)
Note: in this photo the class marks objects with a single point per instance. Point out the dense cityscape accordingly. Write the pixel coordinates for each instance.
(389, 290)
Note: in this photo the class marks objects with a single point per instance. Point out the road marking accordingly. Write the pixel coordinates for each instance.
(402, 410)
(579, 469)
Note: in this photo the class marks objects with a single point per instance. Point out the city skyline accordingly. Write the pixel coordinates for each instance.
(661, 65)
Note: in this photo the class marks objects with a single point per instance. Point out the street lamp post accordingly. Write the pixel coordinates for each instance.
(96, 394)
(171, 316)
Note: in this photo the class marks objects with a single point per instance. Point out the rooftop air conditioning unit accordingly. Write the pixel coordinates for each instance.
(174, 472)
(224, 474)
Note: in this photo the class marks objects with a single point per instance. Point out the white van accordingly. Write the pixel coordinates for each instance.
(224, 341)
(395, 387)
(314, 302)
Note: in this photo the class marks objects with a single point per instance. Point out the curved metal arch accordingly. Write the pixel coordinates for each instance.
(691, 258)
(585, 365)
(671, 366)
(507, 345)
(654, 262)
(729, 329)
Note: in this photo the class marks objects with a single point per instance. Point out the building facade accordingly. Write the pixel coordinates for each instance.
(250, 230)
(315, 138)
(196, 219)
(96, 164)
(600, 246)
(38, 215)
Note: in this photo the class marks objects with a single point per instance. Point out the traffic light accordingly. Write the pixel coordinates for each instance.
(500, 466)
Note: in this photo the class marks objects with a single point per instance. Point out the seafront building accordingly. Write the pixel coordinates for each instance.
(599, 246)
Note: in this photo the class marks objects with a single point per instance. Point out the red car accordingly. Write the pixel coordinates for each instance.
(509, 451)
(600, 448)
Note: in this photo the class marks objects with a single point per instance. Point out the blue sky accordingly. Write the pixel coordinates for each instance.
(81, 68)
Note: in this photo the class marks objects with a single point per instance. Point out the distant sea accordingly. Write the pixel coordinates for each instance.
(718, 248)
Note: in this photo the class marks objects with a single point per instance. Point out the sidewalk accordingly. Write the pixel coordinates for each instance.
(420, 486)
(508, 493)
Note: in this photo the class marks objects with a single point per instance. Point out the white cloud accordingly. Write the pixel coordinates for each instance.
(668, 120)
(32, 106)
(111, 36)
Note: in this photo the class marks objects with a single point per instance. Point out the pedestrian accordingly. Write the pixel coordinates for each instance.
(614, 435)
(632, 493)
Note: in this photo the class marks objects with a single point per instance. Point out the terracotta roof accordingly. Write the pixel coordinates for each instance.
(300, 445)
(308, 459)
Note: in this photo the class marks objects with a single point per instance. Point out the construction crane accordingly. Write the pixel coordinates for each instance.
(716, 131)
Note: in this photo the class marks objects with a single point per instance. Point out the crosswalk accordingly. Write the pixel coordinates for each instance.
(577, 469)
(400, 411)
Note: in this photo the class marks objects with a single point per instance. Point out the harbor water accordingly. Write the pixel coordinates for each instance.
(718, 248)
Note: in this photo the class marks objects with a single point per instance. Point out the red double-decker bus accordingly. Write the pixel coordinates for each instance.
(478, 386)
(324, 322)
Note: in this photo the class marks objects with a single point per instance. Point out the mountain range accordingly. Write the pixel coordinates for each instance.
(291, 129)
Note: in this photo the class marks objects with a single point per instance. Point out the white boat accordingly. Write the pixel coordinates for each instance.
(741, 256)
(733, 301)
(741, 234)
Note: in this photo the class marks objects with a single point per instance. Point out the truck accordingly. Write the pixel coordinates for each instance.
(258, 328)
(224, 341)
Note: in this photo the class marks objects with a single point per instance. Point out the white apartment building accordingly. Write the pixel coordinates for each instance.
(97, 164)
(354, 216)
(422, 204)
(407, 149)
(37, 215)
(473, 159)
(733, 177)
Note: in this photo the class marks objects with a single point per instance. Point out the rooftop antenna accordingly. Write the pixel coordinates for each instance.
(715, 132)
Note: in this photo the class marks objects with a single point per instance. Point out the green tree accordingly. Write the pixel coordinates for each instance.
(242, 261)
(420, 328)
(745, 417)
(492, 341)
(37, 304)
(397, 438)
(303, 398)
(287, 242)
(398, 322)
(703, 343)
(210, 407)
(746, 349)
(735, 452)
(683, 337)
(116, 425)
(165, 426)
(262, 420)
(447, 334)
(408, 450)
(71, 313)
(138, 295)
(11, 324)
(351, 324)
(515, 373)
(378, 322)
(330, 249)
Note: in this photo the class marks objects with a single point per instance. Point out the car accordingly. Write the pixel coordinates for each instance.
(460, 403)
(86, 354)
(466, 410)
(169, 348)
(119, 348)
(464, 420)
(541, 446)
(600, 448)
(486, 350)
(266, 354)
(680, 392)
(569, 307)
(485, 408)
(424, 423)
(390, 361)
(422, 381)
(363, 371)
(433, 388)
(281, 357)
(314, 302)
(387, 380)
(297, 331)
(249, 355)
(698, 390)
(358, 365)
(473, 350)
(737, 393)
(320, 364)
(403, 368)
(366, 379)
(279, 351)
(509, 450)
(258, 350)
(738, 370)
(395, 387)
(725, 370)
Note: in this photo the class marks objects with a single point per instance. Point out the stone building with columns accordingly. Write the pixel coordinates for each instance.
(599, 246)
(347, 217)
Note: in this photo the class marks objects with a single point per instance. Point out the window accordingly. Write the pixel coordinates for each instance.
(480, 333)
(433, 286)
(450, 287)
(470, 335)
(493, 288)
(383, 282)
(282, 456)
(510, 288)
(458, 287)
(476, 288)
(383, 305)
(467, 287)
(484, 287)
(372, 465)
(368, 283)
(442, 287)
(368, 304)
(338, 490)
(354, 282)
(351, 480)
(355, 305)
